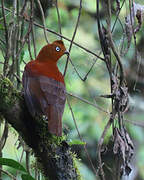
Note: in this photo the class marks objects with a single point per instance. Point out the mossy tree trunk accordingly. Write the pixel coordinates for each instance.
(53, 153)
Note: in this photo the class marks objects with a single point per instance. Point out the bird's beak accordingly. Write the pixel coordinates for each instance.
(66, 52)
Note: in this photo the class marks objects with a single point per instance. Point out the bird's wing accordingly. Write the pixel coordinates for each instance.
(54, 92)
(46, 96)
(55, 95)
(32, 93)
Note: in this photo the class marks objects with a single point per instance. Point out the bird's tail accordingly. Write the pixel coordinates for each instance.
(54, 120)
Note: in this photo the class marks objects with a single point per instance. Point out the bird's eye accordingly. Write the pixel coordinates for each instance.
(57, 48)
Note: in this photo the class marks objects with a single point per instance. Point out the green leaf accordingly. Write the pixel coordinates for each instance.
(12, 163)
(76, 142)
(27, 177)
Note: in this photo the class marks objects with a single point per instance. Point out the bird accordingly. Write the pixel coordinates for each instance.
(44, 86)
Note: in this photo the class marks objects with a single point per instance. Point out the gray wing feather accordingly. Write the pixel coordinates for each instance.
(41, 91)
(54, 91)
(32, 101)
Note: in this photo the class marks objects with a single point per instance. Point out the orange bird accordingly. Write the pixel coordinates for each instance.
(44, 87)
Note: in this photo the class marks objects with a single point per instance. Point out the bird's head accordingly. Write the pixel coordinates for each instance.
(52, 52)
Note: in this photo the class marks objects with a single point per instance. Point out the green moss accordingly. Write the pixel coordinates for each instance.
(75, 164)
(55, 144)
(8, 95)
(57, 140)
(55, 147)
(45, 135)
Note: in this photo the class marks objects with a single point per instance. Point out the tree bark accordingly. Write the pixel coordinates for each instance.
(53, 153)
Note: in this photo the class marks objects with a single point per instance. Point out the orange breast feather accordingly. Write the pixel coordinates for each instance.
(46, 69)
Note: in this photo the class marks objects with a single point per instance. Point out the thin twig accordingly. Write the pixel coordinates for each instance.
(85, 49)
(135, 123)
(43, 19)
(4, 20)
(57, 34)
(117, 17)
(88, 102)
(85, 77)
(106, 53)
(117, 57)
(5, 67)
(131, 8)
(76, 27)
(23, 7)
(33, 40)
(21, 157)
(32, 22)
(29, 47)
(58, 15)
(17, 78)
(4, 136)
(100, 143)
(8, 174)
(24, 40)
(113, 45)
(20, 160)
(28, 161)
(85, 148)
(14, 41)
(31, 25)
(2, 142)
(76, 69)
(18, 42)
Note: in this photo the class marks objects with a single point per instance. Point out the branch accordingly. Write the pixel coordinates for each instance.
(100, 143)
(52, 152)
(76, 27)
(88, 102)
(59, 20)
(117, 57)
(33, 34)
(8, 174)
(6, 38)
(85, 148)
(4, 20)
(57, 34)
(43, 19)
(85, 49)
(4, 136)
